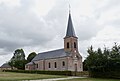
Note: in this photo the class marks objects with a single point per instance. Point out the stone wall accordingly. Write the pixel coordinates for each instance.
(44, 64)
(73, 63)
(69, 64)
(71, 41)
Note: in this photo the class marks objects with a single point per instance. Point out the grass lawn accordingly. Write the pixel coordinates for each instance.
(11, 76)
(91, 79)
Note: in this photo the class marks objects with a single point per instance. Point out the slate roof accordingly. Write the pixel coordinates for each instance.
(70, 30)
(51, 54)
(30, 63)
(5, 65)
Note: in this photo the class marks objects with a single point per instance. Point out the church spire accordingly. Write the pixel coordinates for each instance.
(70, 40)
(70, 29)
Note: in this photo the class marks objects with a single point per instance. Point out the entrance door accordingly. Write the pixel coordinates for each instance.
(75, 69)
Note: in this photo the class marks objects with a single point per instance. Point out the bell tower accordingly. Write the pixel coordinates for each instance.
(70, 40)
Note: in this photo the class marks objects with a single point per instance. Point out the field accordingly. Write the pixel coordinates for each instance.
(91, 79)
(9, 76)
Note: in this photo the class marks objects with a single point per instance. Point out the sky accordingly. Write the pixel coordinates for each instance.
(40, 25)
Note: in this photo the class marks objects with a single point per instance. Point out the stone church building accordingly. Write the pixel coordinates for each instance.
(67, 58)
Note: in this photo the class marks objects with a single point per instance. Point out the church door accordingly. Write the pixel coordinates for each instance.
(75, 69)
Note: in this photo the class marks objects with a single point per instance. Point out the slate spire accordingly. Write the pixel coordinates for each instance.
(70, 29)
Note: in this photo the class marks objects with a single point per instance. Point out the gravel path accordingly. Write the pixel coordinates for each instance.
(55, 79)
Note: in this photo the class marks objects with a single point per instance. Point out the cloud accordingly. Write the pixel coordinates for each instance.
(22, 28)
(9, 3)
(42, 7)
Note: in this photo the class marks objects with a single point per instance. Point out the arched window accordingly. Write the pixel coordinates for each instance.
(63, 63)
(67, 44)
(74, 45)
(49, 65)
(36, 65)
(55, 65)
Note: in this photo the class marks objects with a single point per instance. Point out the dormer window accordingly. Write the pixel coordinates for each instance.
(68, 45)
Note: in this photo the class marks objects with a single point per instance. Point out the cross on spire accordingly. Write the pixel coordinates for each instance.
(69, 8)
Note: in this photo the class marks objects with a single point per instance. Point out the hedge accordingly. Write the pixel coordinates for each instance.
(68, 73)
(101, 72)
(81, 74)
(110, 74)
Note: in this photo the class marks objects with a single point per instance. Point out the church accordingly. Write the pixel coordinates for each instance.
(66, 59)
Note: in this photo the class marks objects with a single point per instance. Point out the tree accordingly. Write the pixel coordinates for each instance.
(90, 61)
(31, 56)
(104, 61)
(18, 60)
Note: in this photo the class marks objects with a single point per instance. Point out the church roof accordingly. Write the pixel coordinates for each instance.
(50, 54)
(30, 63)
(5, 65)
(70, 29)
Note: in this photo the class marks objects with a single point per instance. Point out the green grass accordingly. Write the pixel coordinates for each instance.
(11, 76)
(91, 79)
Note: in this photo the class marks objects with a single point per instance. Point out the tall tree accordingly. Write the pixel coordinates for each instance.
(104, 61)
(18, 60)
(31, 56)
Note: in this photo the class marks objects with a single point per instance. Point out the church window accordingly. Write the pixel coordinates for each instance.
(63, 63)
(36, 65)
(49, 65)
(68, 45)
(55, 65)
(74, 45)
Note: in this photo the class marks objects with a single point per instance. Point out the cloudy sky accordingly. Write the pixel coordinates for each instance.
(40, 25)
